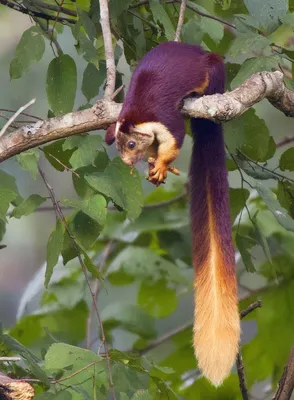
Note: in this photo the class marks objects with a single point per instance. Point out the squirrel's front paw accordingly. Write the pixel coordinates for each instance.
(157, 172)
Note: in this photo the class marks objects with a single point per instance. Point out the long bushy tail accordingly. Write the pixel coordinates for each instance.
(217, 322)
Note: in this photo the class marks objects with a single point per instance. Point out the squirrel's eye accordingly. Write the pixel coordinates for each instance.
(131, 144)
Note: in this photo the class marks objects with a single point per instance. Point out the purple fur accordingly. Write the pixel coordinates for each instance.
(160, 81)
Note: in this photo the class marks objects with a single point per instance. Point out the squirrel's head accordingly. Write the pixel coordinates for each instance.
(132, 140)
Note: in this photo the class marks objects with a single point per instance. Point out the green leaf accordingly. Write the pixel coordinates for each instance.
(28, 206)
(86, 49)
(238, 198)
(132, 262)
(28, 161)
(95, 207)
(2, 229)
(250, 135)
(6, 197)
(8, 182)
(86, 149)
(117, 7)
(57, 156)
(152, 297)
(85, 230)
(89, 367)
(244, 243)
(92, 80)
(87, 23)
(61, 322)
(192, 32)
(274, 338)
(81, 186)
(15, 346)
(125, 379)
(202, 389)
(213, 28)
(261, 239)
(129, 317)
(268, 13)
(30, 49)
(61, 84)
(121, 185)
(161, 17)
(279, 212)
(285, 196)
(281, 266)
(287, 160)
(254, 170)
(246, 23)
(256, 64)
(247, 43)
(54, 247)
(142, 395)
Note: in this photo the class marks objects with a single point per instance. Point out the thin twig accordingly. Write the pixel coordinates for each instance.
(52, 7)
(78, 371)
(181, 20)
(12, 125)
(117, 92)
(51, 36)
(2, 359)
(36, 14)
(109, 54)
(241, 376)
(239, 361)
(8, 123)
(249, 309)
(23, 113)
(285, 141)
(192, 7)
(60, 215)
(96, 288)
(165, 337)
(62, 164)
(286, 382)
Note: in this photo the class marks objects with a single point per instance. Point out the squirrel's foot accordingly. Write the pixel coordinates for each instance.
(158, 171)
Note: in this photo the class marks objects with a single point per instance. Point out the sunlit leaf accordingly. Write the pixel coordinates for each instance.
(61, 84)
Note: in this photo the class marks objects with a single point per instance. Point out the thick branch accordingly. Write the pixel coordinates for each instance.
(217, 107)
(70, 124)
(109, 55)
(224, 107)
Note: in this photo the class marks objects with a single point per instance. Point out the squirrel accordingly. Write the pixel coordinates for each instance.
(150, 124)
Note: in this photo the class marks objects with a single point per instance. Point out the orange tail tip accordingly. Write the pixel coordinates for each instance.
(217, 321)
(216, 335)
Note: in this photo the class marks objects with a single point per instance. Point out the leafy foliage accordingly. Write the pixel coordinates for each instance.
(134, 243)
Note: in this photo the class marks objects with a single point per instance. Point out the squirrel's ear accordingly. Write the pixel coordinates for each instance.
(110, 134)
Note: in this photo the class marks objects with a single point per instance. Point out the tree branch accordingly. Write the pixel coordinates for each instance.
(217, 107)
(224, 107)
(36, 14)
(70, 124)
(181, 20)
(109, 55)
(286, 383)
